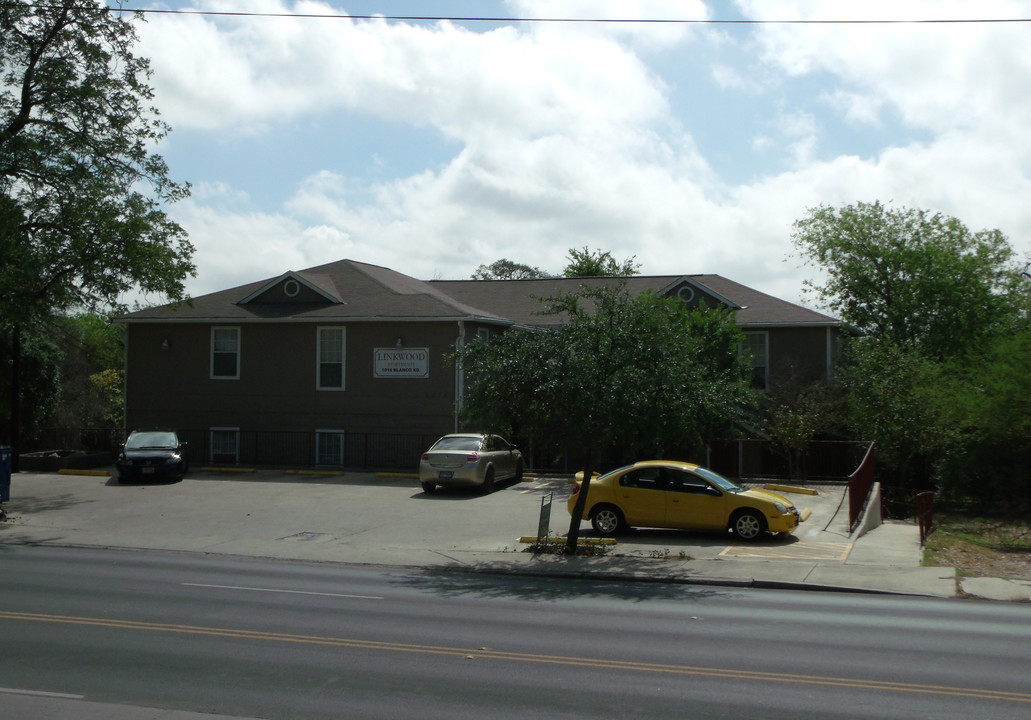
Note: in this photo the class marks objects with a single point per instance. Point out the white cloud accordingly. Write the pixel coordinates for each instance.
(246, 74)
(567, 137)
(647, 33)
(237, 246)
(729, 77)
(936, 76)
(856, 108)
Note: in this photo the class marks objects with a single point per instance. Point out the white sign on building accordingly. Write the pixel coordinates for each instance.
(401, 362)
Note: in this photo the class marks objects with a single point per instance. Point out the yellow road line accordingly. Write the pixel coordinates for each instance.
(487, 654)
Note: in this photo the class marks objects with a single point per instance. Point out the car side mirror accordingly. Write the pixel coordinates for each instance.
(715, 492)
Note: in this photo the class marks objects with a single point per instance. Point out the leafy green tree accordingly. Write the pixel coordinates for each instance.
(911, 277)
(39, 357)
(81, 191)
(987, 410)
(505, 269)
(930, 298)
(76, 131)
(795, 413)
(587, 263)
(892, 399)
(103, 343)
(90, 386)
(636, 373)
(72, 370)
(108, 387)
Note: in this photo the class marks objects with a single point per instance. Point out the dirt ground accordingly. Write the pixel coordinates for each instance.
(981, 548)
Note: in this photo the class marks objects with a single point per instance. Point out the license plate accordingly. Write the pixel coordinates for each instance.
(148, 471)
(445, 475)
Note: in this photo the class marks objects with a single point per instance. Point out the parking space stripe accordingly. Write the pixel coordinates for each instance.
(795, 551)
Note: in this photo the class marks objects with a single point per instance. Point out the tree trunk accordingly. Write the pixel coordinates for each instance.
(573, 538)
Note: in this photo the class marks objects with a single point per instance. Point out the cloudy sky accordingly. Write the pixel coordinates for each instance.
(432, 147)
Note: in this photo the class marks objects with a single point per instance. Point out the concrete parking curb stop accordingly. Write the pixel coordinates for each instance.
(791, 489)
(88, 473)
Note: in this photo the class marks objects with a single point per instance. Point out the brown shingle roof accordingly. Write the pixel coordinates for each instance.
(361, 292)
(518, 299)
(358, 292)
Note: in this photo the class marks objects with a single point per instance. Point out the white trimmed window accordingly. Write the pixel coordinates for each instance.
(757, 347)
(225, 446)
(329, 447)
(331, 358)
(225, 353)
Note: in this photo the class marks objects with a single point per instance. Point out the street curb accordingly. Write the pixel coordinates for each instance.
(532, 540)
(503, 569)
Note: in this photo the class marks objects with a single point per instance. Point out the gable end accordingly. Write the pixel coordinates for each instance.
(292, 287)
(693, 294)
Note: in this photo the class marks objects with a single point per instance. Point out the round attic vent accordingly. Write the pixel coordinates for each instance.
(686, 293)
(291, 288)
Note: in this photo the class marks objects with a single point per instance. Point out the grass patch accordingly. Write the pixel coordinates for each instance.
(980, 547)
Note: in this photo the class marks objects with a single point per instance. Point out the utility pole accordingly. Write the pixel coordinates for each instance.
(15, 432)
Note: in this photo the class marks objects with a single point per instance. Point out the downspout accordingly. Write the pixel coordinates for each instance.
(459, 373)
(830, 345)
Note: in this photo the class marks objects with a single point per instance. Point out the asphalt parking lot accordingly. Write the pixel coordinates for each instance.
(355, 517)
(388, 520)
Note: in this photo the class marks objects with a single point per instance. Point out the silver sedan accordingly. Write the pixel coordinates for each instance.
(470, 459)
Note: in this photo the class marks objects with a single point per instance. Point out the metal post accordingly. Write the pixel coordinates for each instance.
(544, 524)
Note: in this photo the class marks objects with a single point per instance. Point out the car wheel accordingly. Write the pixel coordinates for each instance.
(607, 520)
(748, 525)
(428, 487)
(488, 482)
(519, 471)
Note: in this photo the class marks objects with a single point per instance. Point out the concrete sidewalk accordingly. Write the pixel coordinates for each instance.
(382, 520)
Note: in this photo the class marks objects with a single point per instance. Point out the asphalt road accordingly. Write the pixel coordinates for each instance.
(298, 640)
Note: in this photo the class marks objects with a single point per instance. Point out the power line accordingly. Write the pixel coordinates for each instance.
(605, 21)
(557, 20)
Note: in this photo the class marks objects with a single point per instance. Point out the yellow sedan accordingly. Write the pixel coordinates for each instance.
(669, 494)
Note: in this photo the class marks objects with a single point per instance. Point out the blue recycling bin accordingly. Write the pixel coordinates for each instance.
(5, 474)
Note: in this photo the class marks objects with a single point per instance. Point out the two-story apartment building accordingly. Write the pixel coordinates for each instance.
(346, 364)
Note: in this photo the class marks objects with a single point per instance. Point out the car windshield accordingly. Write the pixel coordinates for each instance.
(719, 481)
(465, 444)
(139, 441)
